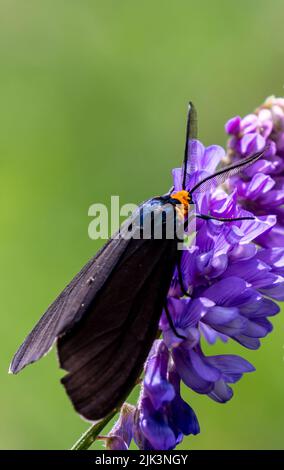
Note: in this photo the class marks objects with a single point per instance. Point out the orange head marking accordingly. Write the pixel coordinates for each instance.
(183, 198)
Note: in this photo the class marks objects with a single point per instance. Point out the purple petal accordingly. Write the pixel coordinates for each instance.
(155, 428)
(252, 229)
(120, 436)
(181, 415)
(212, 157)
(209, 334)
(273, 257)
(243, 252)
(205, 371)
(233, 125)
(252, 271)
(255, 330)
(230, 365)
(232, 328)
(226, 291)
(260, 166)
(220, 315)
(115, 443)
(265, 324)
(187, 372)
(203, 261)
(156, 385)
(251, 143)
(221, 392)
(272, 199)
(184, 417)
(249, 123)
(276, 289)
(260, 308)
(273, 237)
(177, 179)
(259, 185)
(196, 150)
(196, 309)
(247, 342)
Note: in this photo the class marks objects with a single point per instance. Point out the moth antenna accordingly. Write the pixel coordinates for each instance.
(191, 133)
(222, 175)
(223, 219)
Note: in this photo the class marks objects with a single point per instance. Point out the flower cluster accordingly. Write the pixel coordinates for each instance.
(260, 187)
(232, 281)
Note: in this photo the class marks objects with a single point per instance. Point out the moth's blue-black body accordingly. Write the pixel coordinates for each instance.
(105, 321)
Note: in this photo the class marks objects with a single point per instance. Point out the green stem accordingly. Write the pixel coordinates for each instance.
(89, 437)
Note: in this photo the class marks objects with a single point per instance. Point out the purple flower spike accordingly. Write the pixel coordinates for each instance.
(162, 420)
(263, 128)
(233, 274)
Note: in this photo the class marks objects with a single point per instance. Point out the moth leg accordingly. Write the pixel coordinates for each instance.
(171, 323)
(222, 219)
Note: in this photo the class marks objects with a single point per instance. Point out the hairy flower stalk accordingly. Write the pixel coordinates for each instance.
(234, 273)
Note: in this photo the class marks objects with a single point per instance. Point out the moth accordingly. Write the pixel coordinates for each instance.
(106, 319)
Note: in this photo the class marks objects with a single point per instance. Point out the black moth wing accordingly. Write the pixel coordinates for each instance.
(73, 302)
(107, 318)
(104, 354)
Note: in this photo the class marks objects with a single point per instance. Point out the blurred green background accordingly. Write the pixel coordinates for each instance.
(93, 99)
